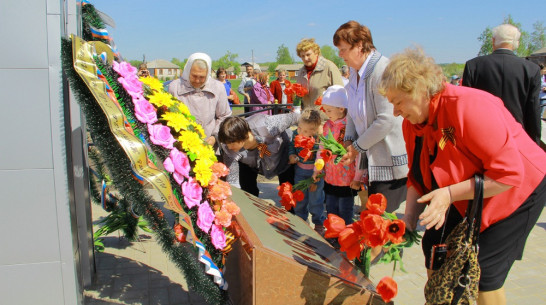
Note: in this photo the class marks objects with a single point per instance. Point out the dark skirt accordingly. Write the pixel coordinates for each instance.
(500, 244)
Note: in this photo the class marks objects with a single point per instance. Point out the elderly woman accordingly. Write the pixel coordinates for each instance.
(371, 130)
(449, 139)
(317, 73)
(205, 97)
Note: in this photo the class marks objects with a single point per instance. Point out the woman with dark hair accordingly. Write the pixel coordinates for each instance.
(257, 145)
(449, 139)
(221, 75)
(371, 130)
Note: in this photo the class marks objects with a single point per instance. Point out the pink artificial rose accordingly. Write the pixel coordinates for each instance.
(193, 193)
(132, 85)
(218, 237)
(223, 218)
(144, 111)
(205, 217)
(178, 164)
(124, 68)
(161, 135)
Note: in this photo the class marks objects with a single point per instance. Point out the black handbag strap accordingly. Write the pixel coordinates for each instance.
(474, 210)
(474, 219)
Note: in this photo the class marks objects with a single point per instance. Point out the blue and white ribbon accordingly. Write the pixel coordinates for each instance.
(210, 267)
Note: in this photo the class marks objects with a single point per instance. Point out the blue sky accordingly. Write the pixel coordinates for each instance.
(166, 29)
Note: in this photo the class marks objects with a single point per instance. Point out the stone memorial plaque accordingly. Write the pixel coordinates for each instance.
(280, 259)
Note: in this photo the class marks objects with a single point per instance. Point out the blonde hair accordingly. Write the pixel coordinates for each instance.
(311, 116)
(307, 44)
(414, 73)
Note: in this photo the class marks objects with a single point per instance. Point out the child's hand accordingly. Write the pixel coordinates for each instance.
(313, 187)
(314, 176)
(356, 185)
(293, 159)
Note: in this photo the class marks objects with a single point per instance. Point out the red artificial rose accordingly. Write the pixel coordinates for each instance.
(387, 288)
(326, 155)
(377, 203)
(395, 231)
(334, 225)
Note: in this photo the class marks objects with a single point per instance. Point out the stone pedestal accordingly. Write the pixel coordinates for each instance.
(279, 259)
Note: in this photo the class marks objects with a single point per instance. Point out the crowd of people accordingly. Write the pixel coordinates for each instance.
(409, 134)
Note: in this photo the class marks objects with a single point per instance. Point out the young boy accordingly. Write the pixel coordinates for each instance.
(313, 202)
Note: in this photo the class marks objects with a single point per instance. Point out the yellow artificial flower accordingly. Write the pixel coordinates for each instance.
(198, 129)
(160, 99)
(319, 164)
(203, 171)
(177, 121)
(182, 108)
(205, 151)
(153, 83)
(190, 141)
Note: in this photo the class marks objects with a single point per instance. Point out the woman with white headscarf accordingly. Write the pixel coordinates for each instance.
(205, 97)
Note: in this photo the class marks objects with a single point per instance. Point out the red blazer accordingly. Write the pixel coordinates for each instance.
(276, 89)
(487, 139)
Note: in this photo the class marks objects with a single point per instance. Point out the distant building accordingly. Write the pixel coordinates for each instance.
(163, 70)
(538, 57)
(291, 69)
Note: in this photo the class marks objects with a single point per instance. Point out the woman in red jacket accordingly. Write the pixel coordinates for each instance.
(451, 133)
(278, 86)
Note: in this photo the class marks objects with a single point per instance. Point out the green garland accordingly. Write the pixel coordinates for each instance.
(184, 256)
(91, 17)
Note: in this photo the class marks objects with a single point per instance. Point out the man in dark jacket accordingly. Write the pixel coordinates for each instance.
(515, 80)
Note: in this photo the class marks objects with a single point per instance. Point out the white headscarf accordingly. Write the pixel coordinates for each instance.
(189, 64)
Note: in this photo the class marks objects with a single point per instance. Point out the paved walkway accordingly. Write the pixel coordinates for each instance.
(140, 273)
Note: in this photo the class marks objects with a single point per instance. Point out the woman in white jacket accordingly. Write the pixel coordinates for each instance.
(372, 129)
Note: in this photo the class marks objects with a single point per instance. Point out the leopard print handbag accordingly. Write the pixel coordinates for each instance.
(456, 282)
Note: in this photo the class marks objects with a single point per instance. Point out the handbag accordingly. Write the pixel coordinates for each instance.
(456, 281)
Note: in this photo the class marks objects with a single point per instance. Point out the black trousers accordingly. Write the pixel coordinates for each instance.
(248, 178)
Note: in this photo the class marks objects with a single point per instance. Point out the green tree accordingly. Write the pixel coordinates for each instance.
(135, 63)
(226, 61)
(452, 69)
(538, 38)
(179, 63)
(272, 66)
(525, 45)
(283, 55)
(330, 53)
